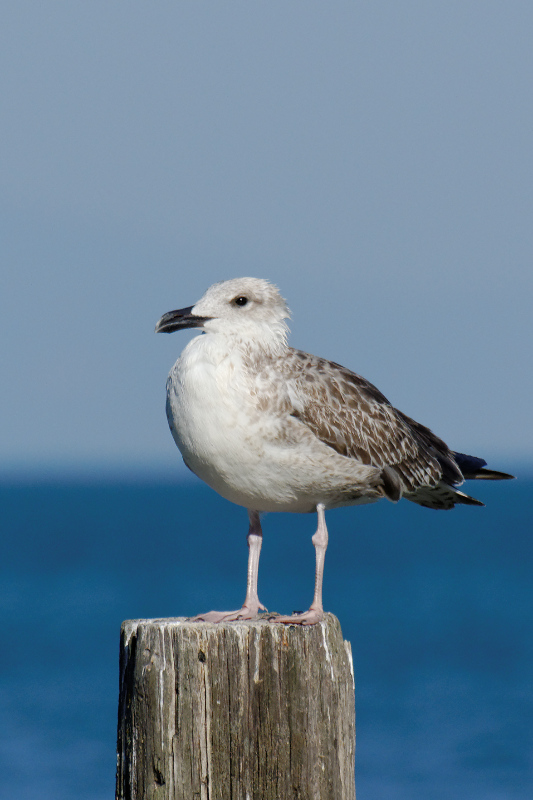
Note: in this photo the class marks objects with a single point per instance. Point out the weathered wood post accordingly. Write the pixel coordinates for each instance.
(235, 711)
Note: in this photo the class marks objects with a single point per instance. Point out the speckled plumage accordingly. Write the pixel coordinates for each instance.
(275, 429)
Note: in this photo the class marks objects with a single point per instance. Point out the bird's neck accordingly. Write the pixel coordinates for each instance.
(266, 344)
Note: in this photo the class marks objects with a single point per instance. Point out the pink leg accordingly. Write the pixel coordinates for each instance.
(315, 612)
(251, 606)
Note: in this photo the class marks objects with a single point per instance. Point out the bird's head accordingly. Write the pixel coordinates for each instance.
(242, 309)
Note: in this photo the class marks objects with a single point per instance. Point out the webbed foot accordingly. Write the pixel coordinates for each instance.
(246, 612)
(310, 617)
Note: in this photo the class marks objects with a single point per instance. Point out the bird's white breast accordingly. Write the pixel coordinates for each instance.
(214, 420)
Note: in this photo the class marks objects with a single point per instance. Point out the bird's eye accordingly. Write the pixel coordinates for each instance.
(240, 301)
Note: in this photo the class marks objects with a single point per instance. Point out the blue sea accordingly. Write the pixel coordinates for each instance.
(438, 607)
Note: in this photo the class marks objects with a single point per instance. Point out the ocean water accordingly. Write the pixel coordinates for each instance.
(438, 607)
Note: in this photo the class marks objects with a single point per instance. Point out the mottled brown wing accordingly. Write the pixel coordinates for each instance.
(349, 414)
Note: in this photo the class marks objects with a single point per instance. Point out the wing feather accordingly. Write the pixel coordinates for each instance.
(349, 414)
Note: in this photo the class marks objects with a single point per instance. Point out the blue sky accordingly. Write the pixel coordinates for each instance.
(374, 159)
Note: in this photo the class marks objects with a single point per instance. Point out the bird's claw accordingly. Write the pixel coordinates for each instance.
(310, 617)
(244, 613)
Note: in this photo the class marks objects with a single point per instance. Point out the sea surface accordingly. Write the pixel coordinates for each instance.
(438, 607)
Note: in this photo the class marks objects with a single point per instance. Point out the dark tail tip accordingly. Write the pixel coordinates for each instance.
(466, 500)
(472, 469)
(493, 475)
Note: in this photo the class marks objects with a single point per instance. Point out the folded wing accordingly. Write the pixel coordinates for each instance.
(350, 415)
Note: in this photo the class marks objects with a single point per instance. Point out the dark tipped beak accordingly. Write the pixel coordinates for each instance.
(177, 320)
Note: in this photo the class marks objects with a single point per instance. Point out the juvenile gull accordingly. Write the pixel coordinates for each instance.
(275, 429)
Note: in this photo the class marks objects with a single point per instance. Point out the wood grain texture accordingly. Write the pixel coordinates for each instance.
(235, 711)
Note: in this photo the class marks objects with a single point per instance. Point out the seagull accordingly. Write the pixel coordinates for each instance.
(272, 428)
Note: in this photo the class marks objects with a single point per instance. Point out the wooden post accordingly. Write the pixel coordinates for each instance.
(235, 711)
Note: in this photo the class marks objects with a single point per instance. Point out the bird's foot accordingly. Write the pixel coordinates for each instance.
(246, 612)
(310, 617)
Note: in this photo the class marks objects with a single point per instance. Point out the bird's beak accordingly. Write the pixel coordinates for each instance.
(177, 320)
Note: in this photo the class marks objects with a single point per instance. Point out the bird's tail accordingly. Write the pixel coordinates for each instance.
(445, 495)
(473, 469)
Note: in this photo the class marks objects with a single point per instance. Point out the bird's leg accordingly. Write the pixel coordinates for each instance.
(255, 540)
(251, 605)
(315, 612)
